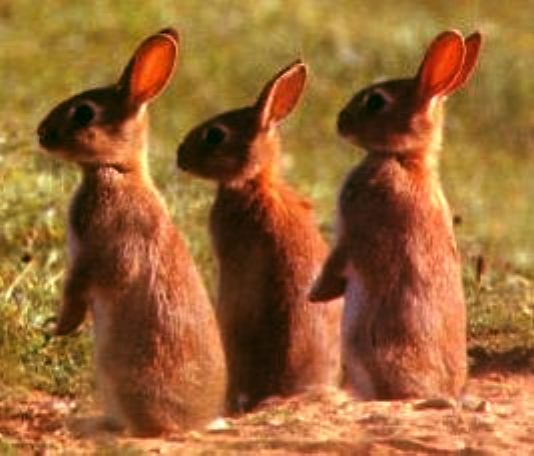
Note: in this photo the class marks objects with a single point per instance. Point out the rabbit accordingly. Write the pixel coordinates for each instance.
(268, 250)
(159, 357)
(395, 258)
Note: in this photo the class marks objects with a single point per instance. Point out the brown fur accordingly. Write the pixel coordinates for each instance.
(396, 258)
(268, 249)
(159, 358)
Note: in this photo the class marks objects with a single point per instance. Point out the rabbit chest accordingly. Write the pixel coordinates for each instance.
(112, 223)
(396, 231)
(113, 230)
(90, 243)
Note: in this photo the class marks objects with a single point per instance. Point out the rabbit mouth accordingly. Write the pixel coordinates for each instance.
(345, 123)
(181, 159)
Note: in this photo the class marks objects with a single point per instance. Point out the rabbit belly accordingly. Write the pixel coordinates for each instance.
(356, 375)
(104, 378)
(101, 323)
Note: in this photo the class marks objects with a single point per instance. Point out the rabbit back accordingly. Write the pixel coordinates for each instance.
(269, 250)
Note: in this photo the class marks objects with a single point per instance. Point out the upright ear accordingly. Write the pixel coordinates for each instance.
(472, 49)
(441, 65)
(281, 94)
(171, 32)
(150, 68)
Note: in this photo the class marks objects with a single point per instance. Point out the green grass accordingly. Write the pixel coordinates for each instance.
(54, 48)
(7, 448)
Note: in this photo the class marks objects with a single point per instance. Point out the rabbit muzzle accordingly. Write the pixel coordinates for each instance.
(182, 161)
(344, 122)
(48, 137)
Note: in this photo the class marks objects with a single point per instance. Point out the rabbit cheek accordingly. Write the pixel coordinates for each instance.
(223, 166)
(94, 145)
(74, 146)
(84, 139)
(216, 164)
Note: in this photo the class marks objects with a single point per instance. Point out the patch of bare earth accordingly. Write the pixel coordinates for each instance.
(495, 417)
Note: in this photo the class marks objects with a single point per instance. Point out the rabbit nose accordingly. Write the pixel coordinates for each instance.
(47, 136)
(344, 119)
(41, 131)
(181, 162)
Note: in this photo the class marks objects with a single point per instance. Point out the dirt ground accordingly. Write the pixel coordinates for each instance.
(496, 417)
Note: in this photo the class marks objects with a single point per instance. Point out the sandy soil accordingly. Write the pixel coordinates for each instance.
(495, 417)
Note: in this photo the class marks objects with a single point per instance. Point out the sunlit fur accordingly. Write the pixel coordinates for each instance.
(159, 358)
(396, 259)
(268, 249)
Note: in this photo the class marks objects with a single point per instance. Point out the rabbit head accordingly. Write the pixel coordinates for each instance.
(108, 126)
(405, 116)
(240, 144)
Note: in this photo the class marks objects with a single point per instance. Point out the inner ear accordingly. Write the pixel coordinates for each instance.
(441, 65)
(282, 93)
(473, 44)
(150, 69)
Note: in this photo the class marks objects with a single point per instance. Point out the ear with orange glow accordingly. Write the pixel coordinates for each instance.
(282, 93)
(150, 68)
(441, 65)
(472, 47)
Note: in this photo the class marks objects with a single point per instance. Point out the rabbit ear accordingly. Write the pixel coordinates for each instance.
(282, 93)
(171, 33)
(472, 49)
(150, 68)
(441, 65)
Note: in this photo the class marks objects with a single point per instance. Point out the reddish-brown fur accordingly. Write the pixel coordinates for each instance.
(159, 358)
(268, 249)
(396, 258)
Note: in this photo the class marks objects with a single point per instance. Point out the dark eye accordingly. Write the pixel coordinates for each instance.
(375, 102)
(214, 136)
(83, 115)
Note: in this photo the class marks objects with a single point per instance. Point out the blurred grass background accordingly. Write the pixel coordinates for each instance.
(54, 48)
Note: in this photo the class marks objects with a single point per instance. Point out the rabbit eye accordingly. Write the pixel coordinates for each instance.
(214, 136)
(83, 114)
(374, 102)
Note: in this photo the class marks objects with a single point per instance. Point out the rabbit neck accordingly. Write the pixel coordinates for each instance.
(262, 183)
(266, 177)
(421, 167)
(110, 173)
(423, 160)
(126, 157)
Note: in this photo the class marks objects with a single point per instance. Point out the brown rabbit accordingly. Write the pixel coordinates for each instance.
(396, 258)
(268, 250)
(159, 357)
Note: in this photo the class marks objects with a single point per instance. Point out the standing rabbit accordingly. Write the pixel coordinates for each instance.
(396, 260)
(268, 249)
(159, 358)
